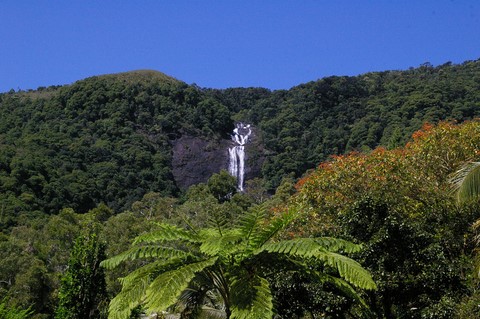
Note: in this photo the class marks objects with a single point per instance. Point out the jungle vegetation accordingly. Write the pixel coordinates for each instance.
(365, 161)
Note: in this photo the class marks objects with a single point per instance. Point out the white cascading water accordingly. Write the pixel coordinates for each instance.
(236, 165)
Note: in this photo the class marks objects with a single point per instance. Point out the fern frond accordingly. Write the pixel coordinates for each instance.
(250, 222)
(252, 299)
(134, 287)
(336, 245)
(276, 225)
(151, 270)
(347, 268)
(130, 296)
(301, 247)
(347, 290)
(164, 291)
(221, 245)
(166, 232)
(144, 252)
(309, 247)
(201, 299)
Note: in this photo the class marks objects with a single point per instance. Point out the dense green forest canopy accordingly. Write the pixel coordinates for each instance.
(96, 156)
(109, 138)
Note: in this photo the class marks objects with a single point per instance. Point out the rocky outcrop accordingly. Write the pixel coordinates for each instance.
(195, 159)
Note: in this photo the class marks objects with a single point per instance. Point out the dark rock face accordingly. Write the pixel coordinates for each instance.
(196, 159)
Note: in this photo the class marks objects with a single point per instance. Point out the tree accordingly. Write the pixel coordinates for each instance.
(222, 185)
(7, 312)
(227, 264)
(82, 292)
(398, 205)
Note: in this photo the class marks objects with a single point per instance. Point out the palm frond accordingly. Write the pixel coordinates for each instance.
(144, 252)
(164, 291)
(466, 182)
(166, 232)
(252, 299)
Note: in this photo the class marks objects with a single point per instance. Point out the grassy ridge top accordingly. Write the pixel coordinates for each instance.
(141, 76)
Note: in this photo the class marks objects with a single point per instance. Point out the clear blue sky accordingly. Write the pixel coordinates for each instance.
(269, 43)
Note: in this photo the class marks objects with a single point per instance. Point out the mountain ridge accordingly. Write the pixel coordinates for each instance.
(110, 138)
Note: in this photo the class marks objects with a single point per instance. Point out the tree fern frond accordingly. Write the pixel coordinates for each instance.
(250, 222)
(274, 227)
(201, 299)
(336, 245)
(164, 291)
(151, 270)
(347, 290)
(348, 269)
(130, 297)
(134, 287)
(220, 245)
(466, 182)
(166, 232)
(252, 298)
(144, 252)
(301, 247)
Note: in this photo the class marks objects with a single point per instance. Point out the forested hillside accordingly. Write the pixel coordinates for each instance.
(109, 138)
(85, 168)
(306, 124)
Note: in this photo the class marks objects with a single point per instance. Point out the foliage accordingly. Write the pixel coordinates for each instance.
(303, 126)
(399, 204)
(109, 138)
(234, 262)
(13, 313)
(467, 182)
(99, 152)
(82, 291)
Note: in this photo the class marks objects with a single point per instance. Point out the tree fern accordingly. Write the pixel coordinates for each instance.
(347, 268)
(276, 225)
(252, 298)
(234, 261)
(166, 232)
(134, 287)
(251, 222)
(144, 252)
(221, 245)
(168, 286)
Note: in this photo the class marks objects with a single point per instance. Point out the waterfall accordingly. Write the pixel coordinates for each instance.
(236, 165)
